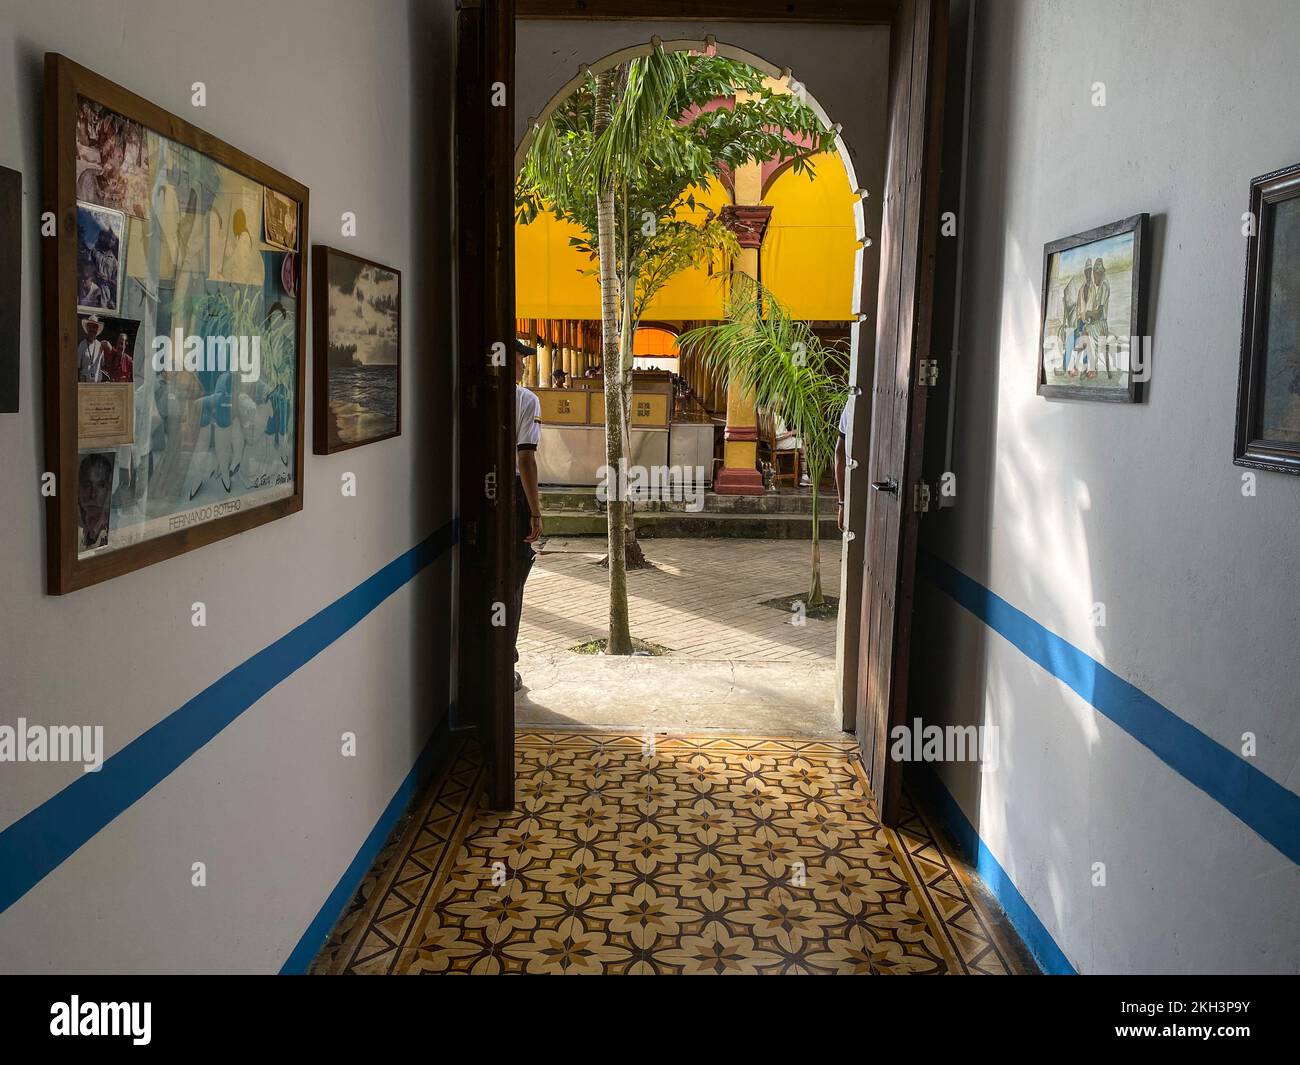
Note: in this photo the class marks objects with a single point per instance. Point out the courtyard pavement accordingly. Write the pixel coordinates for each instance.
(731, 663)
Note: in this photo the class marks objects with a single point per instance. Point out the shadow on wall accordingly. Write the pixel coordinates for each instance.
(29, 59)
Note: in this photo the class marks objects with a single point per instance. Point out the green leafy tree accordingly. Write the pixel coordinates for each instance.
(623, 158)
(789, 371)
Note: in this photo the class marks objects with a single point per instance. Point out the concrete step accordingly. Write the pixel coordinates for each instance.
(703, 525)
(562, 500)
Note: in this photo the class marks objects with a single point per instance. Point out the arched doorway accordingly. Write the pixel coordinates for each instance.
(815, 256)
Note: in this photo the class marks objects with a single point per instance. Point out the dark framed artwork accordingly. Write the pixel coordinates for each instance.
(174, 354)
(1268, 389)
(11, 232)
(357, 344)
(1092, 335)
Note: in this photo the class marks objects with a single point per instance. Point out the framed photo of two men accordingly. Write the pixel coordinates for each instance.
(1268, 388)
(1092, 338)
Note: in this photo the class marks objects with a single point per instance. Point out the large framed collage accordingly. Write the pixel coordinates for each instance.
(175, 331)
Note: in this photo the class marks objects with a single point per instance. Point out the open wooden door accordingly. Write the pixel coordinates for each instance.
(483, 155)
(898, 497)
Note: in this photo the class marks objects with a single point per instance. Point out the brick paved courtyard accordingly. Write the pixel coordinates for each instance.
(703, 600)
(733, 664)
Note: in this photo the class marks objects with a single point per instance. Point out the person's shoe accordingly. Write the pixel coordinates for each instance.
(519, 681)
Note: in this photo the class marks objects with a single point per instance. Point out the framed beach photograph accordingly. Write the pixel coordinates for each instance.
(174, 359)
(357, 343)
(1092, 338)
(1268, 390)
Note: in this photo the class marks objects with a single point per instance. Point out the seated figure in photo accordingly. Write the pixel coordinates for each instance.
(117, 361)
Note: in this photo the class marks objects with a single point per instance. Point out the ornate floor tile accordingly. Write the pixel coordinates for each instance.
(642, 855)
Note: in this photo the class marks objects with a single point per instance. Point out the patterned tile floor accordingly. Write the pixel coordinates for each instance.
(699, 854)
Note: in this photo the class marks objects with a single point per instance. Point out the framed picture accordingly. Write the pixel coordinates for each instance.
(281, 221)
(1092, 336)
(357, 339)
(1268, 389)
(175, 360)
(101, 238)
(105, 348)
(11, 232)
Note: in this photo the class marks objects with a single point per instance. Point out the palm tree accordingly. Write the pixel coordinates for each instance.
(789, 371)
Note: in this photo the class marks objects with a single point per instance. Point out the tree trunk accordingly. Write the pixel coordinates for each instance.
(633, 556)
(620, 637)
(815, 597)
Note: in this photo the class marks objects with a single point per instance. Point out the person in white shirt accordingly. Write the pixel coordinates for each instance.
(528, 502)
(91, 350)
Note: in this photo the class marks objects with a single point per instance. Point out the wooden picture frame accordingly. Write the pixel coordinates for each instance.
(71, 566)
(1070, 352)
(369, 404)
(1264, 390)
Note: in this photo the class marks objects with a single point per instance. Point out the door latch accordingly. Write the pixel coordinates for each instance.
(921, 497)
(890, 486)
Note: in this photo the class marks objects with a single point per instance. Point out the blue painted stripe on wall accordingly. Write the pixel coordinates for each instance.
(40, 841)
(1033, 933)
(1249, 794)
(323, 923)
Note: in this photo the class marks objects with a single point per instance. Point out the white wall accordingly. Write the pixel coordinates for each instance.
(1066, 504)
(353, 101)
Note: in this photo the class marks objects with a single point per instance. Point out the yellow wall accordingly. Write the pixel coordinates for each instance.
(807, 257)
(811, 242)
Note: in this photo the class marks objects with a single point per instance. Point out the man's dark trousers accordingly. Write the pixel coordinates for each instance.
(524, 556)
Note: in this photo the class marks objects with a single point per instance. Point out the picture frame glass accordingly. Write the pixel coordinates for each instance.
(187, 336)
(362, 350)
(1279, 410)
(1088, 318)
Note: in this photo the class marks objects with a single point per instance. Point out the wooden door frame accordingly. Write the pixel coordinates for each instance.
(483, 197)
(483, 664)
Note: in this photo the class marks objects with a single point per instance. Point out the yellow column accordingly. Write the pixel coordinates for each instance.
(748, 219)
(534, 365)
(544, 349)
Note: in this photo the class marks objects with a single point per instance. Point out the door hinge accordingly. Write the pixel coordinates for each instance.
(470, 535)
(927, 372)
(921, 497)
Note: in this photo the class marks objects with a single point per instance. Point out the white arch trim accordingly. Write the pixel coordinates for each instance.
(730, 51)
